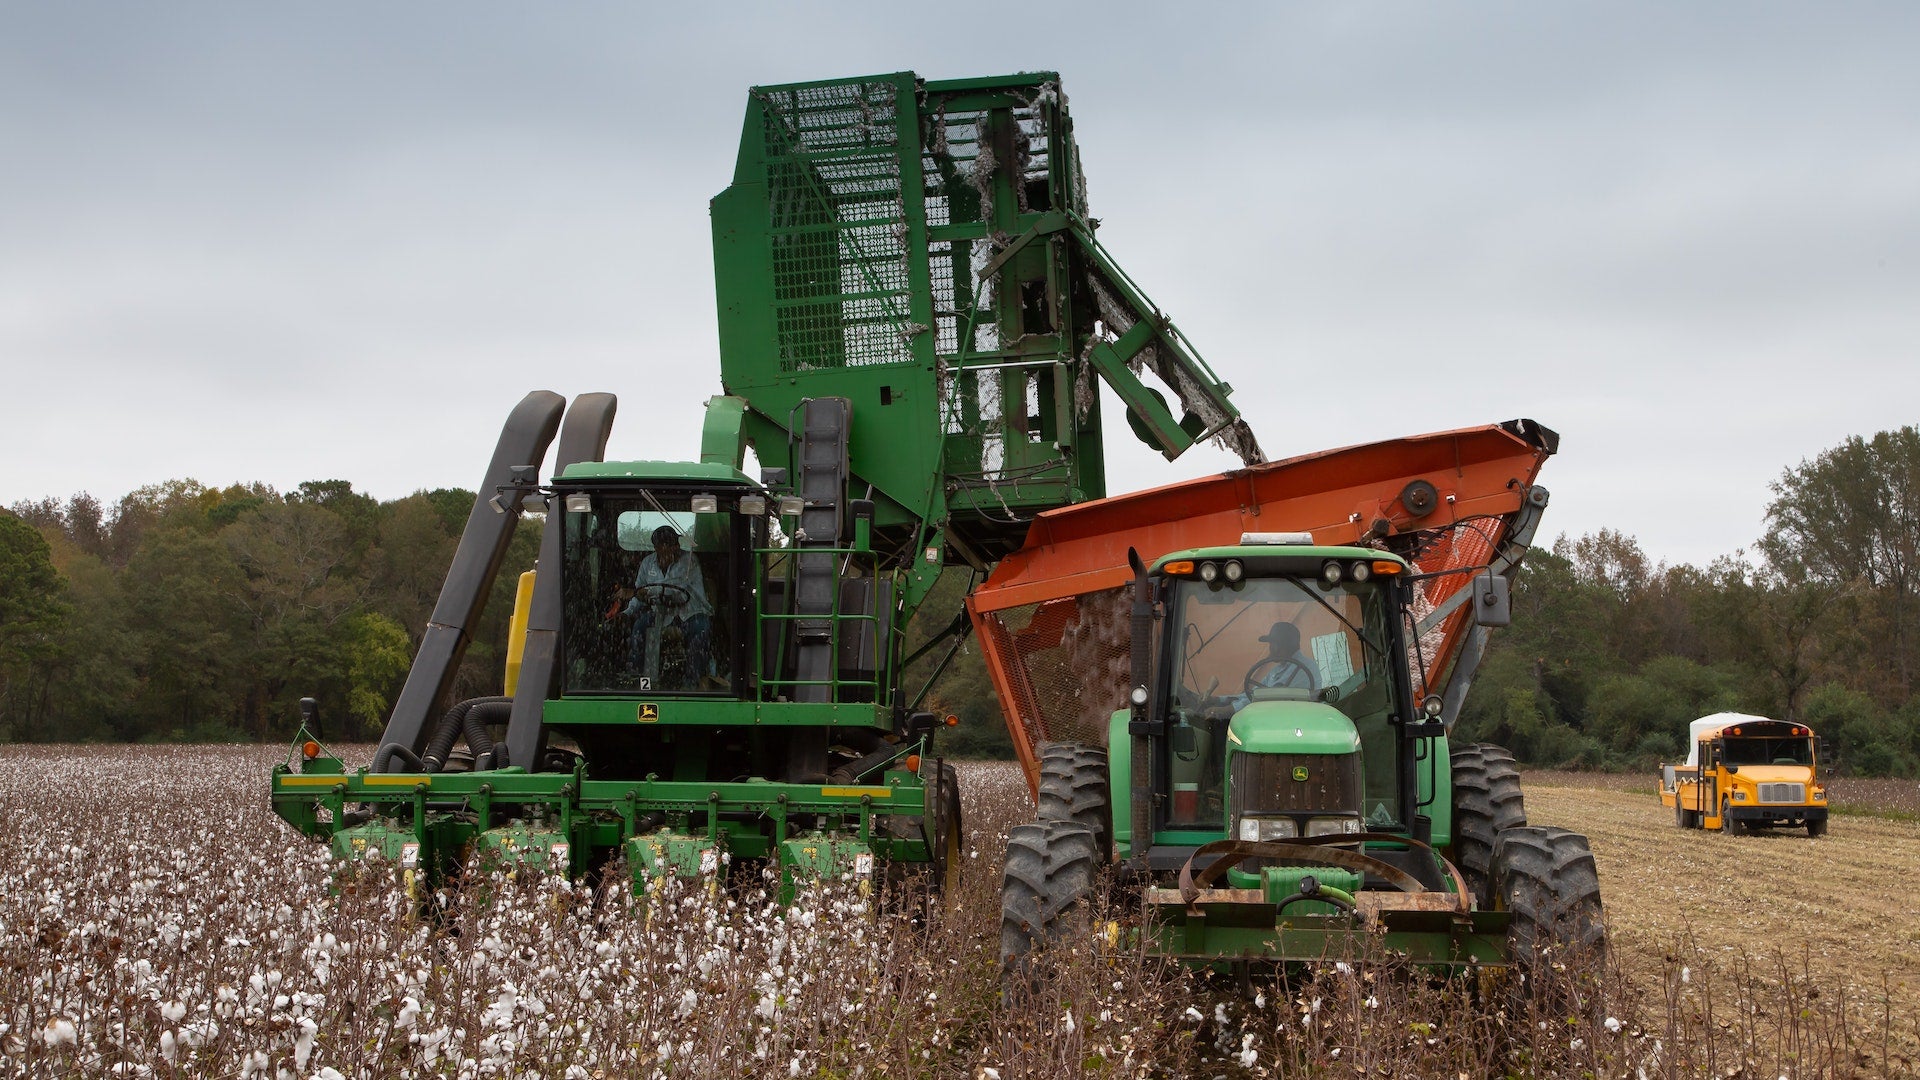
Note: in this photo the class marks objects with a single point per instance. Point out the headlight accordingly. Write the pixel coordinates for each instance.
(1332, 826)
(1209, 572)
(1234, 570)
(1739, 796)
(1267, 828)
(1330, 572)
(1362, 571)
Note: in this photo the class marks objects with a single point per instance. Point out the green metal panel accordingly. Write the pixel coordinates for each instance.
(1277, 883)
(924, 250)
(1436, 790)
(1120, 781)
(693, 472)
(708, 712)
(531, 847)
(660, 854)
(1290, 727)
(1257, 931)
(826, 857)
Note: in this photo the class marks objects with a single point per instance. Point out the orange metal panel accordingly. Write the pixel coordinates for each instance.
(1338, 495)
(1049, 616)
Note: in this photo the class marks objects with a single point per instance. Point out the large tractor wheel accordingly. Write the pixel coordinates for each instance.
(1546, 880)
(1486, 803)
(1074, 787)
(1049, 877)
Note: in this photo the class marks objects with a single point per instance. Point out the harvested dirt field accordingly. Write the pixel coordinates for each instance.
(1843, 910)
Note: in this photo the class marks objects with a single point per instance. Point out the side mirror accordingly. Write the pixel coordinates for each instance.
(1492, 600)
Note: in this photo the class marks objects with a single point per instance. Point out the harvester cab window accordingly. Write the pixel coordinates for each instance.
(650, 596)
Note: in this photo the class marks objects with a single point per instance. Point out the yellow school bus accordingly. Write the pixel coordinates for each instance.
(1745, 773)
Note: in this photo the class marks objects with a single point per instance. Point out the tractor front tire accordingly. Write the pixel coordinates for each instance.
(1049, 878)
(1074, 787)
(1486, 803)
(1546, 879)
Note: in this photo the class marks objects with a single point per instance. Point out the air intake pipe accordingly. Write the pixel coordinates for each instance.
(469, 719)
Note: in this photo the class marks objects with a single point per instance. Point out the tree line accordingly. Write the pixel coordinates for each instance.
(195, 613)
(191, 613)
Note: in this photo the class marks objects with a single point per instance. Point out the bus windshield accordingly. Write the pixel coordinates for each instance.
(1788, 751)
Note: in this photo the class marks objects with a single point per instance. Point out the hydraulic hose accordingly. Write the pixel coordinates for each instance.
(458, 721)
(393, 750)
(859, 767)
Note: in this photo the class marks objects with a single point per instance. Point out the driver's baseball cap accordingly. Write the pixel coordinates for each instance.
(665, 536)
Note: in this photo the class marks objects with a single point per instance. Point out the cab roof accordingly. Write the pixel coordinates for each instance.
(1313, 552)
(692, 472)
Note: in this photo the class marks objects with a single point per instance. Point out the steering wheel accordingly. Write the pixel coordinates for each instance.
(1283, 669)
(663, 594)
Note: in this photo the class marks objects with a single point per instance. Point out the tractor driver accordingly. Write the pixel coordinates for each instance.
(669, 591)
(1284, 664)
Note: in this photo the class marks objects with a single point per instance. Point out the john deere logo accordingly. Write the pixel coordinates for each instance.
(1300, 773)
(649, 712)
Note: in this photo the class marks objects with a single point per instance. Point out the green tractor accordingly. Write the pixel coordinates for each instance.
(1280, 787)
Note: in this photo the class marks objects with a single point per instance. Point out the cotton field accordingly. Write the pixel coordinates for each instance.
(156, 920)
(160, 921)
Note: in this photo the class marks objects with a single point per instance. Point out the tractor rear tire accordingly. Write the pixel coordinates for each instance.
(1049, 878)
(1486, 803)
(1074, 787)
(1547, 881)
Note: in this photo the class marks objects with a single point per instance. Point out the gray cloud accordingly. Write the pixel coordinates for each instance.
(287, 244)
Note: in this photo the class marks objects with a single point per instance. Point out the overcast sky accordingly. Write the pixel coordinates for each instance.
(290, 242)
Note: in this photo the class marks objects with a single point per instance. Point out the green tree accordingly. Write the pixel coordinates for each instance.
(376, 656)
(409, 563)
(1850, 518)
(31, 610)
(294, 557)
(183, 594)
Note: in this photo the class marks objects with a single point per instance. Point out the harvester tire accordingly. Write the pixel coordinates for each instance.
(1074, 787)
(1550, 888)
(1050, 872)
(948, 857)
(1486, 803)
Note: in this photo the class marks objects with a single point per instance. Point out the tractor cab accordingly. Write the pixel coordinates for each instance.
(1287, 709)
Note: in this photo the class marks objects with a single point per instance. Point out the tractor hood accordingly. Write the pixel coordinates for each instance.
(1291, 727)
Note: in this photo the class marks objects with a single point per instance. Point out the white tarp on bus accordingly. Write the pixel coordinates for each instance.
(1706, 725)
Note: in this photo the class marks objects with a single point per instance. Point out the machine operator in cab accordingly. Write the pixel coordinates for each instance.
(669, 596)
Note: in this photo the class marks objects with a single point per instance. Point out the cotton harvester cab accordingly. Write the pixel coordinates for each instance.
(913, 318)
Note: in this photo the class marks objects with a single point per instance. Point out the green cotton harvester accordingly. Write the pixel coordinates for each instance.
(913, 313)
